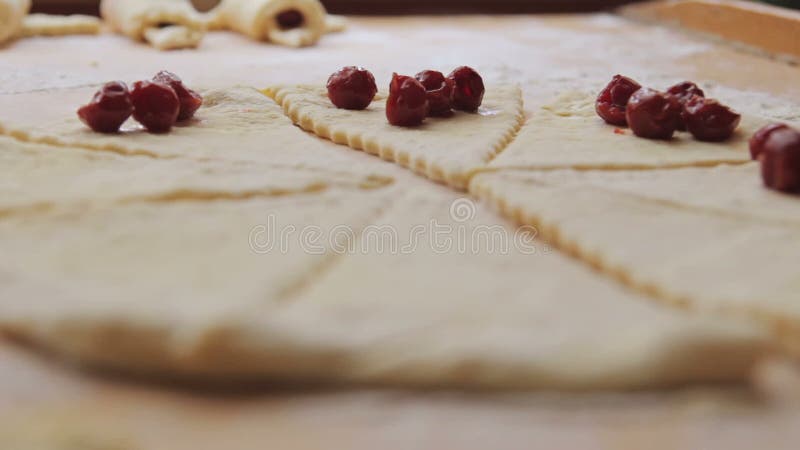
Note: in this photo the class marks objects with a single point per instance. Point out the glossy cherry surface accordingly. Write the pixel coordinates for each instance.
(780, 160)
(156, 105)
(407, 104)
(652, 114)
(439, 90)
(110, 107)
(190, 100)
(612, 101)
(352, 88)
(709, 120)
(759, 139)
(468, 89)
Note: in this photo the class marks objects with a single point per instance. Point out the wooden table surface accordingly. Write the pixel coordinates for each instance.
(54, 402)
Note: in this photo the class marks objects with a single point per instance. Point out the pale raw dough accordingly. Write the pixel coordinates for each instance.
(447, 150)
(49, 25)
(335, 23)
(735, 191)
(173, 37)
(135, 288)
(263, 134)
(39, 177)
(696, 257)
(569, 134)
(164, 24)
(257, 20)
(12, 15)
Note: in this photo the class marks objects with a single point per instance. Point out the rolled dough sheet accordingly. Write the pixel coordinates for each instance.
(39, 177)
(164, 24)
(257, 19)
(446, 150)
(49, 25)
(12, 15)
(683, 253)
(137, 289)
(568, 134)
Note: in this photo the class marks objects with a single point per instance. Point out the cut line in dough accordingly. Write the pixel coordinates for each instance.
(150, 305)
(263, 134)
(41, 178)
(692, 258)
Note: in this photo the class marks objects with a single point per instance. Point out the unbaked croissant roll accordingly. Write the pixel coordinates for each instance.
(296, 23)
(12, 15)
(164, 24)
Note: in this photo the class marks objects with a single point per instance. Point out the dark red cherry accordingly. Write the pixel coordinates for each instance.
(652, 114)
(190, 100)
(352, 88)
(407, 104)
(110, 107)
(156, 105)
(613, 100)
(684, 92)
(759, 139)
(780, 160)
(439, 90)
(468, 89)
(709, 120)
(291, 18)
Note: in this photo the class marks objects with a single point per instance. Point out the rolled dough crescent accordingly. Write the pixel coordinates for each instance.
(257, 20)
(12, 15)
(165, 24)
(49, 25)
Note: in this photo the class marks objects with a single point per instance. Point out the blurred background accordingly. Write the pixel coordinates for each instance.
(384, 6)
(400, 6)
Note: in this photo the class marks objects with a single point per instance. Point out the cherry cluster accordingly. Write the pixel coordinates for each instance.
(653, 114)
(157, 104)
(411, 99)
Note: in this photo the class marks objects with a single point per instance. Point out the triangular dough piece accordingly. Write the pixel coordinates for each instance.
(37, 176)
(144, 285)
(447, 150)
(136, 289)
(569, 134)
(243, 116)
(487, 307)
(688, 256)
(735, 191)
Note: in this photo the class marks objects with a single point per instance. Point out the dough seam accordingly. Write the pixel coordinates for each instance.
(652, 200)
(296, 289)
(614, 168)
(194, 195)
(23, 136)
